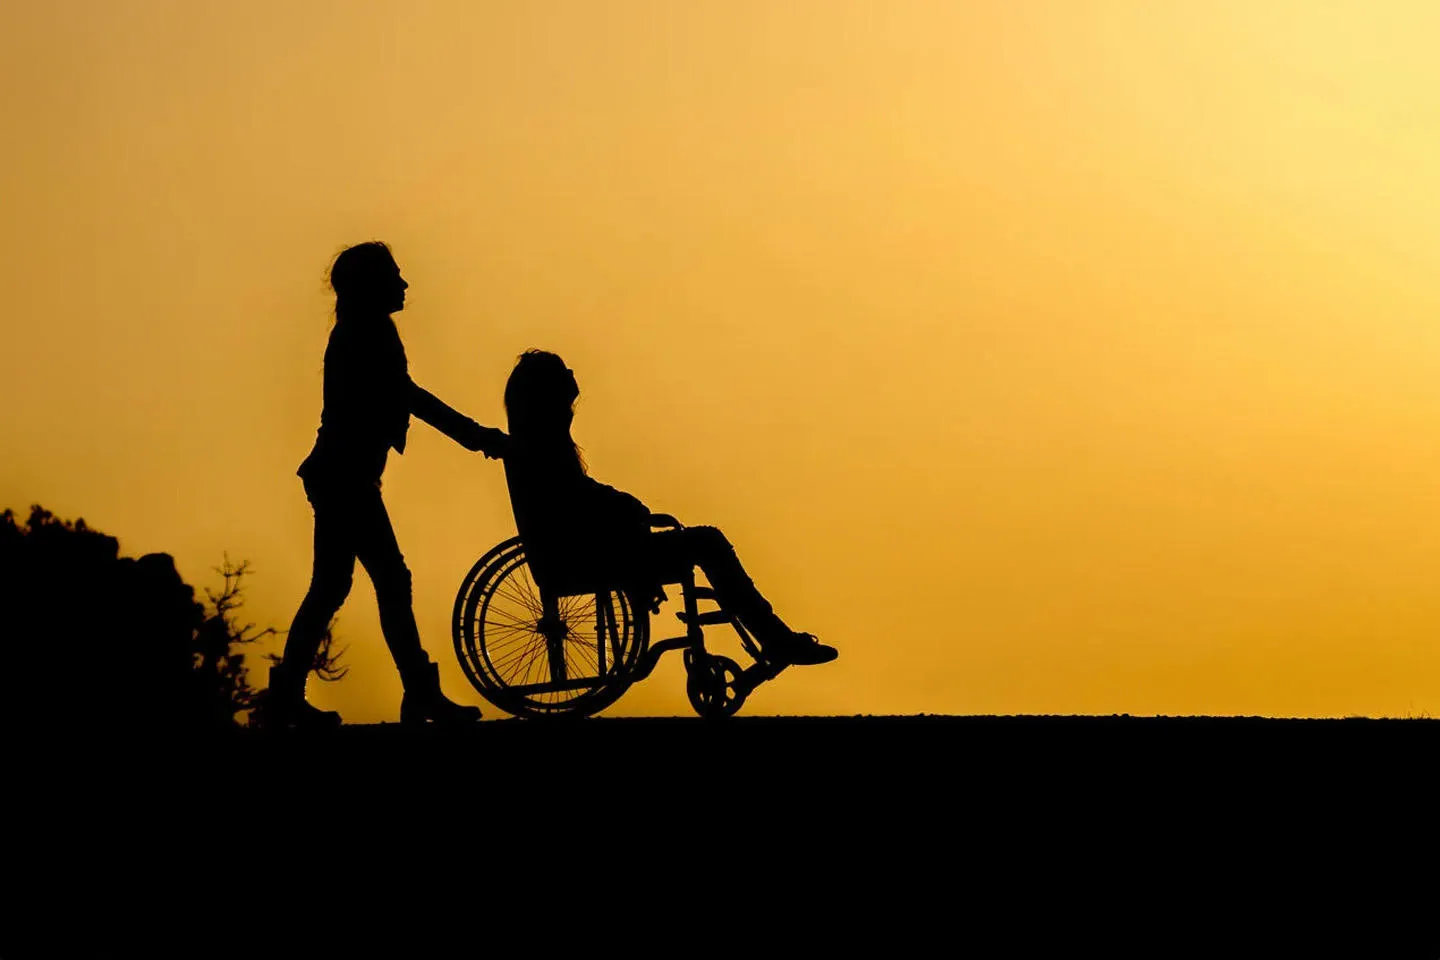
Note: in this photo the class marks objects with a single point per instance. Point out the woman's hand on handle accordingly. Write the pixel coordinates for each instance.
(665, 520)
(494, 442)
(488, 440)
(497, 443)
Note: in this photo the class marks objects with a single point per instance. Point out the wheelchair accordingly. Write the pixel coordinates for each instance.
(543, 647)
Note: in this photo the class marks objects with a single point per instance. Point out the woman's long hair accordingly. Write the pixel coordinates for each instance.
(540, 405)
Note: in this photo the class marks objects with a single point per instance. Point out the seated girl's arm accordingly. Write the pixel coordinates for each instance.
(607, 500)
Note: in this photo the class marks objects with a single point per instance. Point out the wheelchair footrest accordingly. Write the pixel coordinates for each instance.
(705, 619)
(759, 672)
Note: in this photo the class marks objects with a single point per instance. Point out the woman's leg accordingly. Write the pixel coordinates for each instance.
(330, 579)
(379, 552)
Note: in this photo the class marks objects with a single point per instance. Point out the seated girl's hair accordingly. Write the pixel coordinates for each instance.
(540, 403)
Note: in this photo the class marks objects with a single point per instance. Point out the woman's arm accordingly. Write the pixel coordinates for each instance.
(455, 424)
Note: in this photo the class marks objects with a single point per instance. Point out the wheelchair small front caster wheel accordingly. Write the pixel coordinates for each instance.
(714, 686)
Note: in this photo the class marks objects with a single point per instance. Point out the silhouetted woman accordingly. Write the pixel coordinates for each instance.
(369, 398)
(573, 525)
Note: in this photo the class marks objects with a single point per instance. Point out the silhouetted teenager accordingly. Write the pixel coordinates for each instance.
(369, 398)
(573, 525)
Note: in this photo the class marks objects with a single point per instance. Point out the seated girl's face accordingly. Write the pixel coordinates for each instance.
(563, 382)
(559, 377)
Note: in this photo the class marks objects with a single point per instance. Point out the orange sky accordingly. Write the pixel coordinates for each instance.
(1065, 356)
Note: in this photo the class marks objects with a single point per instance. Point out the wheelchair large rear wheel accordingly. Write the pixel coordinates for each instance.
(533, 668)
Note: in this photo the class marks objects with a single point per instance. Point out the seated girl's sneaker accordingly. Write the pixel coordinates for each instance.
(799, 648)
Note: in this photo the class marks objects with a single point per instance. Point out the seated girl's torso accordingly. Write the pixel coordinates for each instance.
(572, 525)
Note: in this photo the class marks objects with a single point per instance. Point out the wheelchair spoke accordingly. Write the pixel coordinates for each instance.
(520, 654)
(576, 615)
(501, 616)
(528, 605)
(514, 629)
(600, 617)
(553, 687)
(516, 659)
(607, 628)
(504, 632)
(575, 655)
(532, 593)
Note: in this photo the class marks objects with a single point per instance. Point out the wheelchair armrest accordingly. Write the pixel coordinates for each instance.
(663, 520)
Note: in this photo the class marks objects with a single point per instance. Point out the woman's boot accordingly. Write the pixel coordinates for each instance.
(284, 704)
(423, 700)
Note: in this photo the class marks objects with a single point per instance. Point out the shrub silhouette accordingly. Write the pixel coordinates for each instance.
(101, 642)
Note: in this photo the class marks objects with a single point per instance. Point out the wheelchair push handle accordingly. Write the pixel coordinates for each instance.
(663, 520)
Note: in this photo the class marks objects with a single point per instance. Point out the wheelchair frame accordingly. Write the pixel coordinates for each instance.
(716, 686)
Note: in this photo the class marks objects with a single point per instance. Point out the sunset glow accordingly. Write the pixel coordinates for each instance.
(1044, 357)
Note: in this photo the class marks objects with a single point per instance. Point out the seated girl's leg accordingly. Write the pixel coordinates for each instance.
(676, 551)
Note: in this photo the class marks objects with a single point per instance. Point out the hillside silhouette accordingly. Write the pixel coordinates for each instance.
(102, 644)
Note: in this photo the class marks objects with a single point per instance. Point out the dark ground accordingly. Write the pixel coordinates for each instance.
(1207, 824)
(914, 763)
(929, 773)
